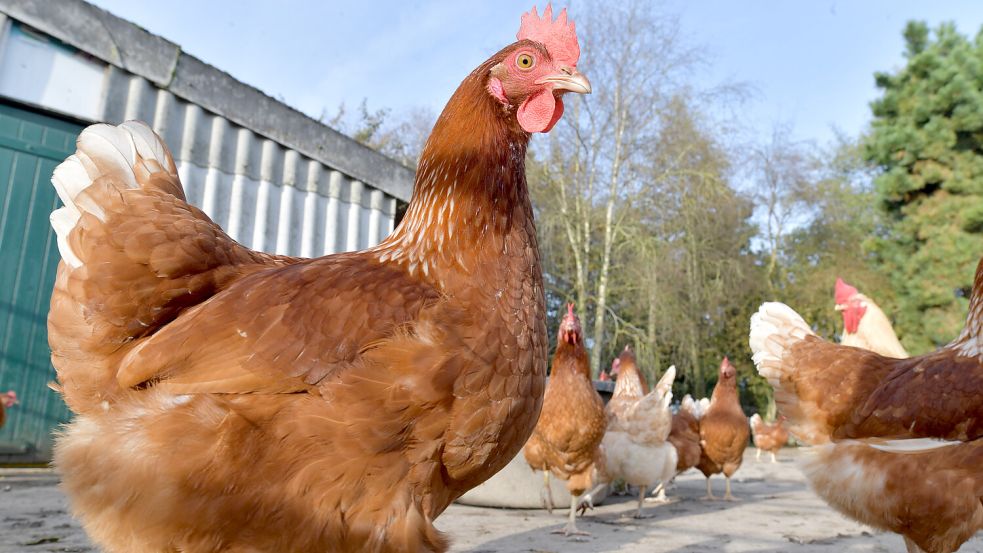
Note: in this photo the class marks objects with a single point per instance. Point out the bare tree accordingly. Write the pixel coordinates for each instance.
(784, 171)
(637, 59)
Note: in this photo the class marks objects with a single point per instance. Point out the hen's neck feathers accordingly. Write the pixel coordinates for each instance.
(570, 360)
(725, 393)
(470, 187)
(970, 340)
(875, 333)
(629, 383)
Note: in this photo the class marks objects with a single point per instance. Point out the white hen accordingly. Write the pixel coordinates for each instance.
(635, 445)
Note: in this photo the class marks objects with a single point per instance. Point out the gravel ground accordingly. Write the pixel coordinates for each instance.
(777, 513)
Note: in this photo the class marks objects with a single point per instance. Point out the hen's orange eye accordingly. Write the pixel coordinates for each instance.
(525, 61)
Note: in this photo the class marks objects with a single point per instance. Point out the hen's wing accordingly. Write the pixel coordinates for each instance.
(829, 391)
(135, 255)
(280, 330)
(151, 291)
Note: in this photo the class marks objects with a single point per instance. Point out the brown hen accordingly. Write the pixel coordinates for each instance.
(767, 436)
(230, 400)
(724, 431)
(571, 426)
(900, 440)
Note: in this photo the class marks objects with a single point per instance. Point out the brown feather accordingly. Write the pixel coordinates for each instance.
(685, 437)
(724, 431)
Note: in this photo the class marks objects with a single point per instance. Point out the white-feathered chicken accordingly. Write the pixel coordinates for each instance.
(635, 445)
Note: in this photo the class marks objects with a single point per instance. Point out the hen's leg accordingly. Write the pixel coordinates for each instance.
(757, 455)
(587, 499)
(774, 459)
(912, 547)
(571, 528)
(546, 495)
(709, 496)
(660, 494)
(727, 494)
(641, 501)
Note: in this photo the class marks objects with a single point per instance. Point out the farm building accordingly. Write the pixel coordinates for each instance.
(274, 178)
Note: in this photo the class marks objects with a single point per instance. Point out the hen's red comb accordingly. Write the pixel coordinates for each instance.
(570, 310)
(844, 292)
(560, 36)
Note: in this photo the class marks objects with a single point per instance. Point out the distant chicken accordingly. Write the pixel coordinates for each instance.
(7, 401)
(900, 441)
(767, 436)
(635, 445)
(724, 431)
(231, 400)
(572, 422)
(864, 324)
(685, 438)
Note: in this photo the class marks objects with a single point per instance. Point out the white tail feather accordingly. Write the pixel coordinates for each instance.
(101, 150)
(773, 328)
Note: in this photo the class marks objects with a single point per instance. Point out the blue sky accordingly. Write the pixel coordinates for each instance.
(810, 63)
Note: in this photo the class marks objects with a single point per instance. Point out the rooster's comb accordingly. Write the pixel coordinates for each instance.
(560, 36)
(570, 310)
(844, 292)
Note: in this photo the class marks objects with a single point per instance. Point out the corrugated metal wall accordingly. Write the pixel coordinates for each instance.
(266, 196)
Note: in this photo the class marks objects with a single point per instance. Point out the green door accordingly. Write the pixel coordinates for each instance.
(31, 145)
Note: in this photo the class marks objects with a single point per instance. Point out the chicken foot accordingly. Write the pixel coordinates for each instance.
(774, 458)
(571, 527)
(641, 503)
(709, 496)
(727, 495)
(587, 499)
(546, 494)
(659, 494)
(757, 455)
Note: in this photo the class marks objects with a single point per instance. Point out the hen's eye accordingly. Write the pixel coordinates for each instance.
(525, 61)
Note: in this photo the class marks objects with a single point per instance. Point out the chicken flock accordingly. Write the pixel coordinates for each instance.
(342, 403)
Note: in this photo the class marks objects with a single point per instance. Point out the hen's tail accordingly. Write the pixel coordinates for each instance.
(108, 159)
(135, 254)
(776, 330)
(756, 422)
(650, 420)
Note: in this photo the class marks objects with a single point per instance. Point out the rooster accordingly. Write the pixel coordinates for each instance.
(230, 400)
(864, 323)
(635, 447)
(572, 422)
(770, 437)
(724, 431)
(7, 401)
(900, 441)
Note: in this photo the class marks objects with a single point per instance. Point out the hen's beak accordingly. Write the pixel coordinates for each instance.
(567, 79)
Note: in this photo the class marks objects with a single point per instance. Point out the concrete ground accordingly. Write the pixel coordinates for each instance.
(778, 513)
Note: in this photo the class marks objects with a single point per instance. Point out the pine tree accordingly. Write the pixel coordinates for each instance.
(927, 139)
